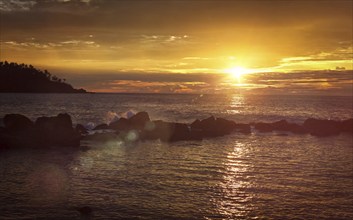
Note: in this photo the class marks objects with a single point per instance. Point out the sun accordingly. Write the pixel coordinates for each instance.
(237, 72)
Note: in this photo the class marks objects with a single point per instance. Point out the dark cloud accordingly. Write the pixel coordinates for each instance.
(173, 15)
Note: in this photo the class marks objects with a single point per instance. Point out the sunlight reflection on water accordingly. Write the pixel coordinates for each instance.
(236, 105)
(235, 201)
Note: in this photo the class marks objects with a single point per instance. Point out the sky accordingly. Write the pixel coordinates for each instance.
(185, 46)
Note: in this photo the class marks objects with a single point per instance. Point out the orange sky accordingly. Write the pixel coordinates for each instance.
(185, 46)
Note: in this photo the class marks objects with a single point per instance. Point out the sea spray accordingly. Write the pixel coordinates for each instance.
(90, 125)
(111, 117)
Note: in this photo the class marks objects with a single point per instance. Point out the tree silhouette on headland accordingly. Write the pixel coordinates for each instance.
(25, 78)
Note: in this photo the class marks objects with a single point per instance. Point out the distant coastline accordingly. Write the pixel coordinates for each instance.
(24, 78)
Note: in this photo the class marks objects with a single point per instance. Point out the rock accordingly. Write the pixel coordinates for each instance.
(57, 131)
(139, 120)
(81, 129)
(281, 125)
(226, 126)
(157, 130)
(169, 132)
(101, 127)
(18, 132)
(46, 131)
(263, 127)
(180, 132)
(85, 210)
(102, 137)
(347, 125)
(17, 123)
(120, 125)
(243, 128)
(212, 127)
(322, 128)
(136, 122)
(297, 129)
(3, 138)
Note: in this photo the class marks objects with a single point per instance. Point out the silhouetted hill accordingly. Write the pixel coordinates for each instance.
(25, 78)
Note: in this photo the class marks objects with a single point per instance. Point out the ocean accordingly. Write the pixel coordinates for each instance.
(239, 176)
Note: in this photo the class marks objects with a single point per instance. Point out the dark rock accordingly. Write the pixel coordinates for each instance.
(226, 126)
(46, 131)
(169, 132)
(85, 210)
(18, 132)
(157, 130)
(203, 124)
(263, 127)
(282, 134)
(139, 120)
(297, 129)
(322, 128)
(180, 132)
(281, 125)
(120, 125)
(101, 127)
(17, 123)
(3, 138)
(347, 125)
(212, 127)
(136, 122)
(57, 131)
(243, 128)
(81, 129)
(102, 137)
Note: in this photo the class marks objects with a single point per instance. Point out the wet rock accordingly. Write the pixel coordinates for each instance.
(85, 210)
(81, 129)
(157, 130)
(322, 128)
(263, 127)
(120, 125)
(139, 120)
(102, 137)
(101, 127)
(347, 125)
(243, 128)
(281, 125)
(180, 132)
(297, 129)
(213, 127)
(20, 132)
(136, 122)
(169, 132)
(17, 123)
(57, 131)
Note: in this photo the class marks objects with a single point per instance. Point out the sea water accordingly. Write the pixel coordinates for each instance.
(256, 176)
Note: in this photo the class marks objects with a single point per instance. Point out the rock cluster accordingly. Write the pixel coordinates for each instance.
(315, 127)
(20, 131)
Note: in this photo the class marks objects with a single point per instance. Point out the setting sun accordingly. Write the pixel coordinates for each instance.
(237, 72)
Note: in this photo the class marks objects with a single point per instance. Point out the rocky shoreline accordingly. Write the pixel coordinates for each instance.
(58, 131)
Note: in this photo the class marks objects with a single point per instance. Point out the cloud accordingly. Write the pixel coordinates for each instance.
(34, 44)
(308, 82)
(16, 5)
(127, 38)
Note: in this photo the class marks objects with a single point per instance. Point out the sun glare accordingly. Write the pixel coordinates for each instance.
(237, 72)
